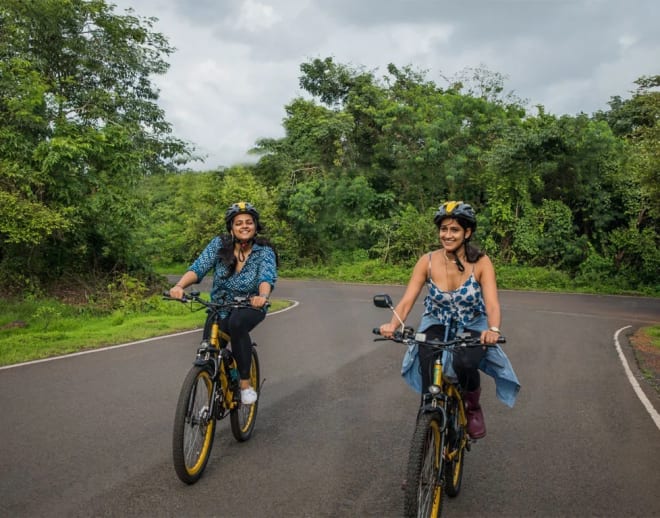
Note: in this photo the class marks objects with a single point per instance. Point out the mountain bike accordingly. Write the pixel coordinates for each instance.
(440, 440)
(211, 392)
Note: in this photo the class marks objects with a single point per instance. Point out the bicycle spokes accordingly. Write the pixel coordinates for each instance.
(194, 425)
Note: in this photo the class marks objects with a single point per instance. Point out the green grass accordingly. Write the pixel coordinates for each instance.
(653, 333)
(33, 330)
(171, 268)
(367, 271)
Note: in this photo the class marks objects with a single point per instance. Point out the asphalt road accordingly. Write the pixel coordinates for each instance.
(90, 435)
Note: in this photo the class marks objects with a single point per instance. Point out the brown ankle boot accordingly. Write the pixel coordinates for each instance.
(476, 426)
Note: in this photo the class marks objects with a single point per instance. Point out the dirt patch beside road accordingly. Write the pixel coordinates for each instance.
(648, 358)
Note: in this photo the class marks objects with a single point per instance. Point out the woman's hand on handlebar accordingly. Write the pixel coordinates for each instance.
(257, 301)
(387, 330)
(176, 292)
(489, 337)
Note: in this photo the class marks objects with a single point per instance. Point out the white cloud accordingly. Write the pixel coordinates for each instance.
(255, 16)
(237, 63)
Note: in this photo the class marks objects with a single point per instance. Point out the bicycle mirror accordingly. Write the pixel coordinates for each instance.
(383, 301)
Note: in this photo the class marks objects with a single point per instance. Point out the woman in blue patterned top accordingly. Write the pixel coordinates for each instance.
(462, 297)
(244, 265)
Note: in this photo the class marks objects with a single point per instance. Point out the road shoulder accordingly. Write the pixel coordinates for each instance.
(647, 359)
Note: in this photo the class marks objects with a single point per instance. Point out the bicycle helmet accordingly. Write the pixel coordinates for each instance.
(462, 212)
(242, 207)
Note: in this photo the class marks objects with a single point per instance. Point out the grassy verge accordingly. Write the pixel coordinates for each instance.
(31, 330)
(646, 346)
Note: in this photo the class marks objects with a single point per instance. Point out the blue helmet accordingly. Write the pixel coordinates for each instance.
(242, 207)
(458, 210)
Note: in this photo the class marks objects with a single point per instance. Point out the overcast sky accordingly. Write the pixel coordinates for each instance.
(237, 62)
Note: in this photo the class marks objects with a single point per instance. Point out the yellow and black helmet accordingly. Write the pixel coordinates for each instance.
(456, 209)
(242, 207)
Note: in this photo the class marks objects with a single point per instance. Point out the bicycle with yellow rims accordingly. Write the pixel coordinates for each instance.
(211, 392)
(440, 440)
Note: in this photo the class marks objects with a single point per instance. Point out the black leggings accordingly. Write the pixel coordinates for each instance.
(238, 325)
(465, 362)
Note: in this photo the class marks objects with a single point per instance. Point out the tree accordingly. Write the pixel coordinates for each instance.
(633, 245)
(80, 126)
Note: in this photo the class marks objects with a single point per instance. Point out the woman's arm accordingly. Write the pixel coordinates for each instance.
(267, 268)
(186, 280)
(488, 283)
(405, 305)
(267, 277)
(198, 269)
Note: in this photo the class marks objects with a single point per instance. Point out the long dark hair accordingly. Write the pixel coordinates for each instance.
(226, 252)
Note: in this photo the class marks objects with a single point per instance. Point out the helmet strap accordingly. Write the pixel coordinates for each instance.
(458, 262)
(243, 245)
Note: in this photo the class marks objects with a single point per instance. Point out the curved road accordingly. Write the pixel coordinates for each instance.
(89, 435)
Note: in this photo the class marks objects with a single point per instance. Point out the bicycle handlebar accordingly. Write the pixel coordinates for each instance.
(462, 340)
(237, 302)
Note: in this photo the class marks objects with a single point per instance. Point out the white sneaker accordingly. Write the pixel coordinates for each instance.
(248, 396)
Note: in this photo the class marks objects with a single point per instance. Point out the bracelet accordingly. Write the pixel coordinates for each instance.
(495, 329)
(266, 296)
(177, 285)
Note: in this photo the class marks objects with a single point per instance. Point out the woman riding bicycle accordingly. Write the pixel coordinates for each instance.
(244, 266)
(462, 297)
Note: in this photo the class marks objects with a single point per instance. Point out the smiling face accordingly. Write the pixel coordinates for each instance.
(452, 234)
(243, 227)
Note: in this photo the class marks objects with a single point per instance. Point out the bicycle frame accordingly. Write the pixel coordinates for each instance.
(443, 389)
(213, 353)
(210, 392)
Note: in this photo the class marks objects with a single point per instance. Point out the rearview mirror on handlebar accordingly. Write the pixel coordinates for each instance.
(383, 301)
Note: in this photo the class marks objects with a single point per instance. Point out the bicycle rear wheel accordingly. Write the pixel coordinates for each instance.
(243, 417)
(424, 491)
(455, 450)
(194, 425)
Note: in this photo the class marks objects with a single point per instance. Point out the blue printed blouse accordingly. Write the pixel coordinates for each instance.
(457, 307)
(260, 267)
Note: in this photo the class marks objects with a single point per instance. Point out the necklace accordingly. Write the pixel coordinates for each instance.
(447, 258)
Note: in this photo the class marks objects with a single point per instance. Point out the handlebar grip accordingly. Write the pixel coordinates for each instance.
(376, 330)
(167, 296)
(501, 340)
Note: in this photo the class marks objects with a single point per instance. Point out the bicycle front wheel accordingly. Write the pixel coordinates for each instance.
(194, 425)
(424, 491)
(243, 417)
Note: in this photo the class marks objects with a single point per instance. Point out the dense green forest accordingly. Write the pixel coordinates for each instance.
(94, 186)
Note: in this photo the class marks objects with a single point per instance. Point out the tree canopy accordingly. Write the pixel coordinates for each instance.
(577, 193)
(79, 127)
